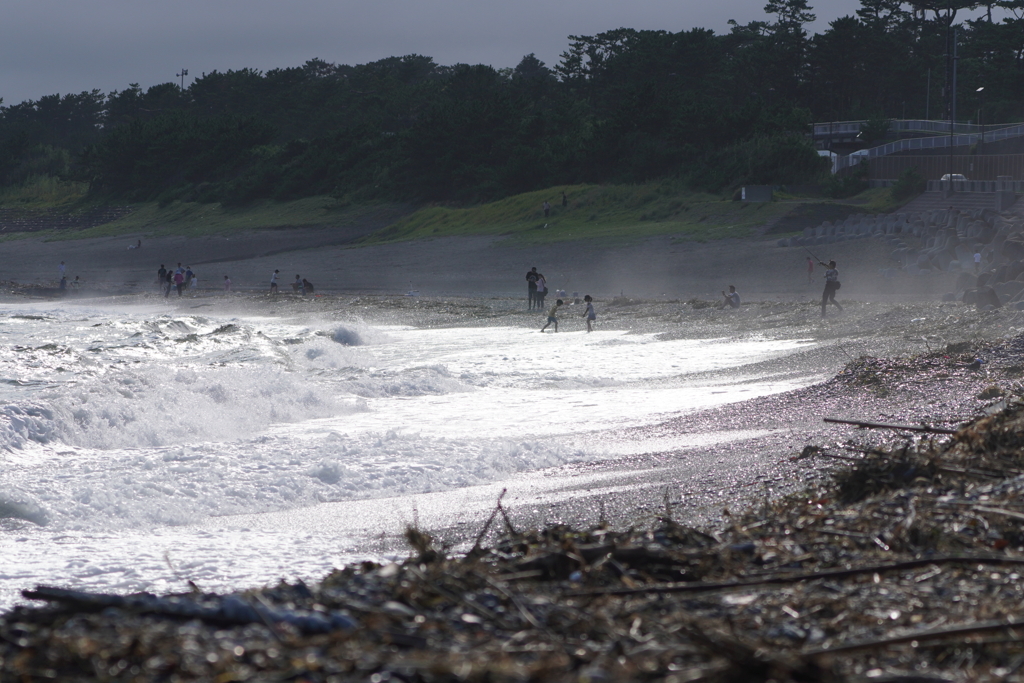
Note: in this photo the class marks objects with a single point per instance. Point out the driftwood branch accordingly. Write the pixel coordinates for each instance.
(928, 634)
(483, 532)
(696, 587)
(879, 425)
(226, 610)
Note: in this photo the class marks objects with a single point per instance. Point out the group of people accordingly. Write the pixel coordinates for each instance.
(546, 205)
(183, 277)
(536, 290)
(180, 279)
(589, 314)
(536, 286)
(300, 285)
(732, 299)
(62, 274)
(828, 296)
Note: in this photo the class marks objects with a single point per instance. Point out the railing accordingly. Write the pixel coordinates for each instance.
(975, 185)
(824, 130)
(935, 142)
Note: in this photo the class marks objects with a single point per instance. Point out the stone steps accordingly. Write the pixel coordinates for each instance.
(964, 201)
(22, 220)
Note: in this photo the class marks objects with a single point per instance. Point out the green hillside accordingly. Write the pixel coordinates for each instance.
(593, 211)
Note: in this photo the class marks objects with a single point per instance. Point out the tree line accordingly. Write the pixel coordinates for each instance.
(711, 110)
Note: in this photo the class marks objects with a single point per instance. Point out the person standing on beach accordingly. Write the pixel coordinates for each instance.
(179, 282)
(61, 270)
(531, 286)
(547, 208)
(194, 282)
(831, 285)
(161, 275)
(227, 284)
(273, 282)
(188, 276)
(169, 282)
(589, 314)
(542, 290)
(810, 270)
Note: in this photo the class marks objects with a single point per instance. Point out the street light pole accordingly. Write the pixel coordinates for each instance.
(952, 114)
(928, 97)
(979, 121)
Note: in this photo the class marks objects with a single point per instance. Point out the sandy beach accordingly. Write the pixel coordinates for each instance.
(663, 268)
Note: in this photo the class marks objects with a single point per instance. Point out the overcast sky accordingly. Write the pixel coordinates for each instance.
(62, 46)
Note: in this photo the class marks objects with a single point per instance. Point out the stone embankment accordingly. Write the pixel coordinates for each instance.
(944, 240)
(22, 220)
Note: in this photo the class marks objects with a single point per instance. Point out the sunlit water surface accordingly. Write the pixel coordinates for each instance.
(142, 438)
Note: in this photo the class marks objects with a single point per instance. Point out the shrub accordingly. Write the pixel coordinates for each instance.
(909, 184)
(839, 187)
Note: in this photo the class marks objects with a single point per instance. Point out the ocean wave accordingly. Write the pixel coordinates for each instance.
(434, 380)
(158, 406)
(187, 484)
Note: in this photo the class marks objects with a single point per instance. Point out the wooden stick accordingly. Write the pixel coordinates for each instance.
(695, 586)
(483, 532)
(920, 635)
(879, 425)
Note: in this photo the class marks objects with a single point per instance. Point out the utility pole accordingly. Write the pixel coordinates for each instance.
(952, 111)
(928, 97)
(184, 72)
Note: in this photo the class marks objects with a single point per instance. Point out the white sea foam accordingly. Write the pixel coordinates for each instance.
(127, 424)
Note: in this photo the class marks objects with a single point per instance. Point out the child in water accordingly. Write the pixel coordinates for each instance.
(553, 316)
(589, 313)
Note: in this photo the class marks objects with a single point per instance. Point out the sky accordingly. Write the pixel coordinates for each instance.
(70, 46)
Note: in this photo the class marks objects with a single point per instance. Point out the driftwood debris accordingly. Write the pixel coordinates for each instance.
(227, 610)
(902, 428)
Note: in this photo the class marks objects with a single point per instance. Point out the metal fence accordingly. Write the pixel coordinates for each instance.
(935, 142)
(840, 128)
(933, 167)
(974, 185)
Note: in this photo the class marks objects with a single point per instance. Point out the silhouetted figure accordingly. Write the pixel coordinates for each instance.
(831, 286)
(732, 299)
(589, 314)
(553, 316)
(531, 286)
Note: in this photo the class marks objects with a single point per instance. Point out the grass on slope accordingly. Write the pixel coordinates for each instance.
(43, 192)
(616, 212)
(192, 219)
